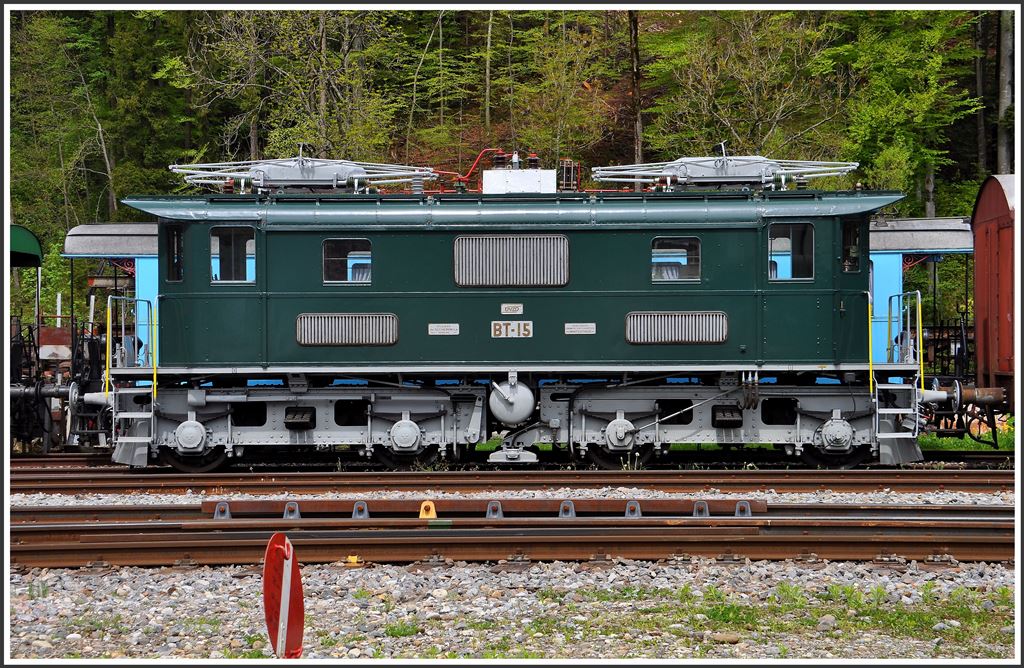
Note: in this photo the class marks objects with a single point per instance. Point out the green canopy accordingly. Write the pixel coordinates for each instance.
(25, 248)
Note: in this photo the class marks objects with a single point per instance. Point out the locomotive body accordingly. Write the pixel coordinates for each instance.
(606, 325)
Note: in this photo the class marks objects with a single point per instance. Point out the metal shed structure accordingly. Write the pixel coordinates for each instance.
(891, 240)
(135, 241)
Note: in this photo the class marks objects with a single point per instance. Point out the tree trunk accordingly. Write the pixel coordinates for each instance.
(1004, 137)
(322, 81)
(254, 137)
(440, 61)
(929, 192)
(487, 76)
(979, 91)
(634, 55)
(108, 159)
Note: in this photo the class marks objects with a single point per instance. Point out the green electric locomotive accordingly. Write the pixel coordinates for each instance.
(608, 326)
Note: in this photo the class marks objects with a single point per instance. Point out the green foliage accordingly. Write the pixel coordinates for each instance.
(102, 101)
(402, 629)
(948, 294)
(753, 79)
(908, 63)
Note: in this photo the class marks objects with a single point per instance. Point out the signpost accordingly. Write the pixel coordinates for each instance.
(282, 598)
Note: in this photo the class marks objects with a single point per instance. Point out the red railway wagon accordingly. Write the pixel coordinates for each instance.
(993, 222)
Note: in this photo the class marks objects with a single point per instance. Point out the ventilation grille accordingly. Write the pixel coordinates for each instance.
(512, 260)
(346, 329)
(677, 327)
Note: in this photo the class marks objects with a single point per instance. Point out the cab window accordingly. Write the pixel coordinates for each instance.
(347, 261)
(675, 259)
(233, 255)
(851, 246)
(790, 251)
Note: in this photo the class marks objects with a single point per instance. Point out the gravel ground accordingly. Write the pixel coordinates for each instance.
(626, 609)
(625, 493)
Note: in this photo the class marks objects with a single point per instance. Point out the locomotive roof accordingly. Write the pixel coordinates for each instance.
(569, 208)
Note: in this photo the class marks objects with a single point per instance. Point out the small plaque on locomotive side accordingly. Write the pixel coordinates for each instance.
(511, 309)
(581, 328)
(443, 329)
(511, 329)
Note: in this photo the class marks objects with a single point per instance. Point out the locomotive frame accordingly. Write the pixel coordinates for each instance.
(616, 366)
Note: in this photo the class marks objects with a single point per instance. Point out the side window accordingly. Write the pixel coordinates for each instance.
(790, 251)
(175, 252)
(851, 246)
(675, 259)
(347, 261)
(233, 255)
(871, 280)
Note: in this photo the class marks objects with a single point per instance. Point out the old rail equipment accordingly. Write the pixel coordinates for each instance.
(307, 311)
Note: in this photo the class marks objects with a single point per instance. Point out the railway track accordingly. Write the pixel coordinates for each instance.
(515, 531)
(679, 481)
(79, 462)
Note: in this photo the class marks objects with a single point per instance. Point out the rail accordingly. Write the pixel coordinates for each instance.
(794, 480)
(514, 529)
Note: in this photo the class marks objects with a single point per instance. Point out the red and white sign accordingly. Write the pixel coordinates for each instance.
(282, 598)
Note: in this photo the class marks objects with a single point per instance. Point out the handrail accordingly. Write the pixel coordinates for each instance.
(106, 361)
(871, 356)
(905, 321)
(150, 355)
(152, 349)
(920, 341)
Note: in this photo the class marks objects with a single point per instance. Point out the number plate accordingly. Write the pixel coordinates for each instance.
(511, 329)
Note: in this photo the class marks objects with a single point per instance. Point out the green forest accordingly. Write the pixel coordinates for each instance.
(102, 102)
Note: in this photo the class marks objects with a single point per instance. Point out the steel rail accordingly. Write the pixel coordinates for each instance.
(797, 480)
(83, 462)
(470, 508)
(571, 542)
(529, 529)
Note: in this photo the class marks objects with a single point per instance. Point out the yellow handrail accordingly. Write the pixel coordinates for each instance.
(871, 364)
(152, 337)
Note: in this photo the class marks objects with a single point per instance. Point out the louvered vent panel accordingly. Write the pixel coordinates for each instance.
(677, 327)
(512, 260)
(346, 329)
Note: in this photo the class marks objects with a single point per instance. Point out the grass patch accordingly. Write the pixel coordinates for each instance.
(544, 625)
(38, 590)
(498, 649)
(1006, 435)
(548, 595)
(732, 614)
(401, 630)
(201, 623)
(325, 638)
(793, 609)
(627, 594)
(91, 623)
